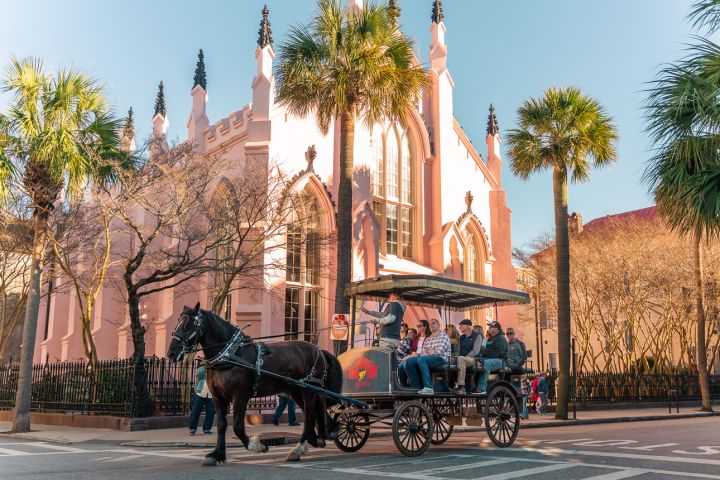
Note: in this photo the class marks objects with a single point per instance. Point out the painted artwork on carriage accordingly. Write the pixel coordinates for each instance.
(366, 370)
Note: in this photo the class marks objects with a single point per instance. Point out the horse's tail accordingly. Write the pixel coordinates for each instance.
(334, 379)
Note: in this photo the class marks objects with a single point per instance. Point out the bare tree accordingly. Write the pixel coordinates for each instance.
(15, 256)
(163, 237)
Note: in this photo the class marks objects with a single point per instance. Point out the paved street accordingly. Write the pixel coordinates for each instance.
(677, 449)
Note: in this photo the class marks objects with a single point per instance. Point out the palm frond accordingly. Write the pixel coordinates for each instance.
(705, 14)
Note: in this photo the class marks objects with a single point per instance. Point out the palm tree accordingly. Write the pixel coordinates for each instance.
(343, 66)
(683, 116)
(569, 133)
(51, 139)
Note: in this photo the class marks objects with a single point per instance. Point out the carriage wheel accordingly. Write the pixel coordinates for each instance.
(353, 431)
(412, 428)
(502, 416)
(442, 429)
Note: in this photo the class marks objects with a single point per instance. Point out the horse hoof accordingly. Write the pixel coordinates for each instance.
(211, 462)
(321, 443)
(293, 457)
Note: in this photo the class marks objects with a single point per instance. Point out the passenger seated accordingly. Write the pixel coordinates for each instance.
(493, 355)
(517, 353)
(470, 343)
(434, 353)
(404, 348)
(422, 333)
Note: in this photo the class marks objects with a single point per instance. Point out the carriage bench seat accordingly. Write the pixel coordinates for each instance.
(522, 371)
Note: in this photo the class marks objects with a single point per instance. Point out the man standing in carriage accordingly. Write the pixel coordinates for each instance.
(390, 319)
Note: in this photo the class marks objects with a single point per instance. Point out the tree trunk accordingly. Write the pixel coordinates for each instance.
(562, 265)
(701, 351)
(141, 397)
(24, 393)
(344, 215)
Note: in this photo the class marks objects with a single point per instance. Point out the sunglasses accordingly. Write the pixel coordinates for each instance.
(511, 333)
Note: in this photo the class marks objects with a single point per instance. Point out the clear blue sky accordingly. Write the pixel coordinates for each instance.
(500, 51)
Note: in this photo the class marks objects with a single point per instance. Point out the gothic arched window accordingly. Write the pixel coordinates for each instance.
(393, 201)
(302, 275)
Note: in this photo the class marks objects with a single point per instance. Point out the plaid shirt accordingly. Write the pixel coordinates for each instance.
(404, 347)
(525, 387)
(439, 343)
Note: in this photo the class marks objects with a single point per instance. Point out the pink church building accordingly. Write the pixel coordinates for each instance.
(424, 202)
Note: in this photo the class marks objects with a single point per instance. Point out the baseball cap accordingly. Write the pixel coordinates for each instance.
(466, 322)
(495, 324)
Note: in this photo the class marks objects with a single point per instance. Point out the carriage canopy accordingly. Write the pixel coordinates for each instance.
(433, 291)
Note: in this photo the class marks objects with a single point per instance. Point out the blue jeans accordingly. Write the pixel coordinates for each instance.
(491, 365)
(420, 367)
(198, 403)
(524, 406)
(291, 405)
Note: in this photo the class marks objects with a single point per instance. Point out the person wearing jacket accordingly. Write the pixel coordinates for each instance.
(542, 391)
(390, 320)
(202, 398)
(517, 353)
(493, 355)
(470, 345)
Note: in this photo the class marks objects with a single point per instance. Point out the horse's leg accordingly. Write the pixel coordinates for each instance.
(253, 444)
(320, 416)
(308, 435)
(218, 455)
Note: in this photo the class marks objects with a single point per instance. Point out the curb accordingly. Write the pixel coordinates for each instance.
(284, 438)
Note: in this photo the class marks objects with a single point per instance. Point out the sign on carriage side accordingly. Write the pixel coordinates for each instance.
(339, 327)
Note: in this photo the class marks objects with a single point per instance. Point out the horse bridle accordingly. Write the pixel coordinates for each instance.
(194, 336)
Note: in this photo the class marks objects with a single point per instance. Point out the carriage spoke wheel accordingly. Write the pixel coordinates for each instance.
(502, 416)
(353, 431)
(441, 428)
(412, 428)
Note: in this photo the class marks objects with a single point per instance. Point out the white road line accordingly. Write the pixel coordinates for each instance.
(650, 447)
(605, 443)
(126, 457)
(57, 447)
(415, 461)
(13, 453)
(100, 459)
(454, 468)
(590, 453)
(620, 474)
(528, 471)
(557, 442)
(421, 474)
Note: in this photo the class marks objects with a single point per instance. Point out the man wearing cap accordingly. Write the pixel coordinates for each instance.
(493, 355)
(390, 320)
(470, 344)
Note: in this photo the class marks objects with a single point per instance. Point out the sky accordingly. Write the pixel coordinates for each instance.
(501, 51)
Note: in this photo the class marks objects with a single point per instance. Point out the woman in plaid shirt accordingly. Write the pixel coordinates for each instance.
(434, 353)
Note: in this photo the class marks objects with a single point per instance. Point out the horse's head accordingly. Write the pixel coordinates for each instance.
(187, 334)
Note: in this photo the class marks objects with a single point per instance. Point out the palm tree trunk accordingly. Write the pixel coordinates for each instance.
(562, 265)
(24, 393)
(344, 215)
(701, 353)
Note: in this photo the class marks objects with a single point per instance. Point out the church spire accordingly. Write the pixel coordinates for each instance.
(265, 32)
(200, 78)
(437, 12)
(129, 129)
(160, 105)
(492, 123)
(393, 10)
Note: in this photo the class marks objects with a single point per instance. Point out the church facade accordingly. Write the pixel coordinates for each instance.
(425, 201)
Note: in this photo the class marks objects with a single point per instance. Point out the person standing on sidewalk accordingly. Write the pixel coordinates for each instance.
(283, 401)
(202, 398)
(542, 391)
(526, 390)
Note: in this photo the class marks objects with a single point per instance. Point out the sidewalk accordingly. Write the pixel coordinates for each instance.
(179, 437)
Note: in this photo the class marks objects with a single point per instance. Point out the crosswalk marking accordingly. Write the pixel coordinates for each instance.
(620, 474)
(57, 447)
(528, 471)
(557, 442)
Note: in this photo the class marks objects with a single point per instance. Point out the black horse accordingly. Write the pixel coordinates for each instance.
(225, 346)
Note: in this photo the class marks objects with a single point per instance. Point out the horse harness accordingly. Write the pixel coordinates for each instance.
(229, 356)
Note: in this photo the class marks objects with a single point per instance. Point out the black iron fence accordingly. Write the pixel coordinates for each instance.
(621, 387)
(109, 388)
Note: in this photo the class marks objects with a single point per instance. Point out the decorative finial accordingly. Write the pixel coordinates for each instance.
(160, 105)
(265, 33)
(437, 12)
(468, 201)
(310, 157)
(492, 123)
(393, 10)
(129, 129)
(199, 78)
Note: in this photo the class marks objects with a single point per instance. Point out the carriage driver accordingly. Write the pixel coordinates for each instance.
(390, 319)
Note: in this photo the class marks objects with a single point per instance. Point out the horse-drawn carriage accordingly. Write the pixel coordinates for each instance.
(358, 389)
(370, 374)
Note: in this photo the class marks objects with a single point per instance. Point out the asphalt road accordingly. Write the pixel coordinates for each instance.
(673, 449)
